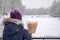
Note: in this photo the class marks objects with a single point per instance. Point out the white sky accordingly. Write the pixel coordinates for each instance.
(37, 3)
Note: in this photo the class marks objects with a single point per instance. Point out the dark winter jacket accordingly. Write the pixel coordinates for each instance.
(13, 31)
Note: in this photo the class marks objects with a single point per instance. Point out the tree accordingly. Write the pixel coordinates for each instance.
(55, 9)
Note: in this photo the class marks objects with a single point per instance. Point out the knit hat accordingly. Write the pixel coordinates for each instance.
(16, 15)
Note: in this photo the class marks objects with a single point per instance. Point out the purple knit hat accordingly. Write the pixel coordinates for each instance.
(16, 15)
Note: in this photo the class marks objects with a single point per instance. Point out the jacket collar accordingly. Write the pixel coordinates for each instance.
(16, 21)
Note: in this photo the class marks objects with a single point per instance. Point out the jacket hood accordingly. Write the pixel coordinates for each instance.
(16, 21)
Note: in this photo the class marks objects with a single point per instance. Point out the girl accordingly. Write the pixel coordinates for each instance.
(14, 29)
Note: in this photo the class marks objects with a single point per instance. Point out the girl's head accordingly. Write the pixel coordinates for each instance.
(15, 14)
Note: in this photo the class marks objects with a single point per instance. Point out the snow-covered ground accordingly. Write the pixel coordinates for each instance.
(47, 25)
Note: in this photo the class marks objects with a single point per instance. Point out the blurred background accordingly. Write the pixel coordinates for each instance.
(45, 12)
